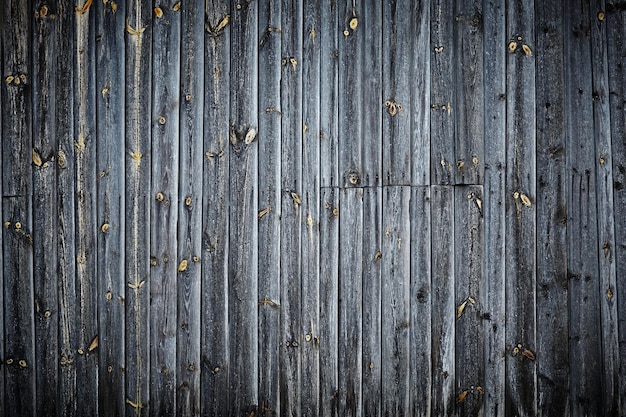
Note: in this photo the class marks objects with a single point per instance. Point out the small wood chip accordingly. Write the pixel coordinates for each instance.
(182, 266)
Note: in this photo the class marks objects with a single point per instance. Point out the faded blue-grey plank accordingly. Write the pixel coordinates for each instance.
(420, 94)
(329, 95)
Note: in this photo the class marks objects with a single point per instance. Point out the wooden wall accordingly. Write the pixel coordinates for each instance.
(313, 208)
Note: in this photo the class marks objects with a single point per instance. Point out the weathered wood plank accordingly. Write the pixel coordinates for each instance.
(443, 308)
(520, 202)
(469, 92)
(44, 216)
(604, 195)
(138, 127)
(165, 263)
(310, 212)
(2, 352)
(269, 204)
(350, 302)
(397, 93)
(214, 344)
(442, 106)
(372, 364)
(396, 272)
(243, 253)
(582, 228)
(328, 337)
(110, 90)
(469, 287)
(420, 93)
(329, 94)
(420, 372)
(494, 67)
(190, 209)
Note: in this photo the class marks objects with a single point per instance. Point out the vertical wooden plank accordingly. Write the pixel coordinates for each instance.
(85, 217)
(17, 186)
(350, 302)
(420, 372)
(165, 264)
(469, 287)
(190, 209)
(420, 81)
(585, 359)
(443, 308)
(371, 366)
(110, 152)
(520, 203)
(269, 204)
(604, 195)
(44, 214)
(397, 93)
(441, 92)
(494, 67)
(243, 199)
(310, 216)
(328, 338)
(214, 386)
(329, 104)
(2, 352)
(137, 211)
(396, 272)
(469, 90)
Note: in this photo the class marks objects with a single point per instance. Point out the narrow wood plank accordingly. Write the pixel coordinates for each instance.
(110, 152)
(350, 302)
(469, 287)
(329, 95)
(420, 94)
(469, 92)
(190, 209)
(442, 106)
(166, 266)
(372, 364)
(494, 64)
(396, 272)
(214, 387)
(269, 204)
(443, 308)
(243, 253)
(350, 127)
(310, 214)
(585, 359)
(605, 212)
(520, 204)
(397, 93)
(44, 216)
(420, 372)
(138, 135)
(328, 337)
(2, 352)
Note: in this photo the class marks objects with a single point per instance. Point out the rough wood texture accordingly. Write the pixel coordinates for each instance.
(420, 94)
(329, 99)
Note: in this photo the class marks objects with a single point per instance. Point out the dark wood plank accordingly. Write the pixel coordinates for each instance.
(269, 204)
(494, 64)
(420, 334)
(520, 205)
(442, 106)
(396, 273)
(420, 93)
(165, 263)
(469, 92)
(443, 308)
(190, 209)
(350, 302)
(214, 398)
(310, 211)
(138, 127)
(2, 352)
(585, 359)
(329, 95)
(372, 364)
(242, 263)
(328, 337)
(44, 215)
(110, 91)
(605, 212)
(397, 93)
(469, 295)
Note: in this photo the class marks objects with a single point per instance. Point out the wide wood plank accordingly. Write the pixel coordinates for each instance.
(420, 93)
(329, 95)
